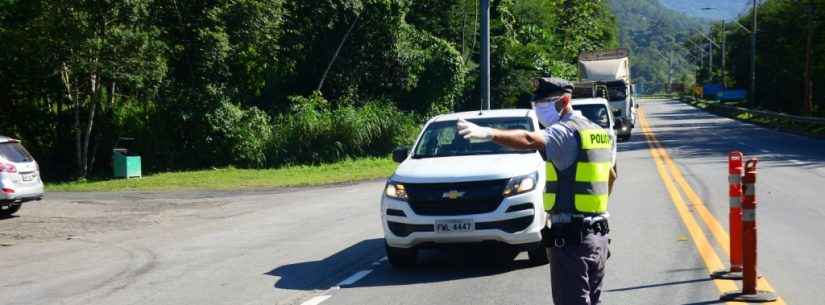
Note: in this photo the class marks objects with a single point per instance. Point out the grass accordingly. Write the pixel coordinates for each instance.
(233, 179)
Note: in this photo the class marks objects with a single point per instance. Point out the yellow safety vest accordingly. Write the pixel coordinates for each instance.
(582, 187)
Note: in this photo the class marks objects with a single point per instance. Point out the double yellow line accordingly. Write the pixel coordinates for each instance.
(672, 176)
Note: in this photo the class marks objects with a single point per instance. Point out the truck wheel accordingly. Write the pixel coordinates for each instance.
(401, 257)
(11, 209)
(624, 137)
(538, 256)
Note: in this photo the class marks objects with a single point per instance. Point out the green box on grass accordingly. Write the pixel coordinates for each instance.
(125, 164)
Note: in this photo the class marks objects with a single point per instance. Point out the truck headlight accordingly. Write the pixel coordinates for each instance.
(521, 184)
(396, 190)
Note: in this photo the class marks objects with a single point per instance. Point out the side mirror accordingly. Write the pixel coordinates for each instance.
(400, 154)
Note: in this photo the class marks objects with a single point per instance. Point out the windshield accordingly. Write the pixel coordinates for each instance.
(616, 93)
(596, 113)
(441, 139)
(14, 152)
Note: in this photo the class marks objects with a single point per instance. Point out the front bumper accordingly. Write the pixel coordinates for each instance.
(507, 224)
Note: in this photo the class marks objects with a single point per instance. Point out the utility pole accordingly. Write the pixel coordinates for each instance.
(724, 35)
(807, 103)
(710, 54)
(753, 55)
(670, 70)
(485, 54)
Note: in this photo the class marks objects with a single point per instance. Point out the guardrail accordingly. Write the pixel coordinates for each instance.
(732, 110)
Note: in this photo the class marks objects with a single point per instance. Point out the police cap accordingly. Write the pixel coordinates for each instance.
(546, 86)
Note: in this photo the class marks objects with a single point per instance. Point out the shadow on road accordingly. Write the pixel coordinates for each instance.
(690, 133)
(434, 265)
(706, 302)
(659, 285)
(323, 274)
(4, 217)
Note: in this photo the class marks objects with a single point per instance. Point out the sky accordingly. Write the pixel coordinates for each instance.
(727, 9)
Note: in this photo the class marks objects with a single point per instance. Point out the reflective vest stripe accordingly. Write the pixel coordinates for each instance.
(551, 172)
(598, 172)
(551, 187)
(591, 203)
(549, 201)
(585, 183)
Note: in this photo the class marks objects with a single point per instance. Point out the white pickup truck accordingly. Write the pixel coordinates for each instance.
(448, 190)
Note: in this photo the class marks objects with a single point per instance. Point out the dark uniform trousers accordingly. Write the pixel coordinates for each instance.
(577, 269)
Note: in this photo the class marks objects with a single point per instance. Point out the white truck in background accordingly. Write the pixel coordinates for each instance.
(611, 69)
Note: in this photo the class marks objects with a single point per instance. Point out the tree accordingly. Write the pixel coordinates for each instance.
(92, 49)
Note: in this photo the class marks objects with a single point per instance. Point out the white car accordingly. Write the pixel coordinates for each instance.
(19, 177)
(597, 110)
(448, 190)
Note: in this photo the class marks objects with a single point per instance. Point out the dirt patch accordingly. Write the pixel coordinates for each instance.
(67, 216)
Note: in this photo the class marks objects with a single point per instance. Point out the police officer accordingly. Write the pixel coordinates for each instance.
(580, 173)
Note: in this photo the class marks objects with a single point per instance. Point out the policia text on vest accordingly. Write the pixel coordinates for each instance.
(583, 187)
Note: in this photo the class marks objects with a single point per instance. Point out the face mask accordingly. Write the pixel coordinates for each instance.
(547, 113)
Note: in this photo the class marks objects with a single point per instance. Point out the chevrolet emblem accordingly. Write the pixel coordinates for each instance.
(453, 195)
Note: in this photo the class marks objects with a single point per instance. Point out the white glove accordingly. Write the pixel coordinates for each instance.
(472, 131)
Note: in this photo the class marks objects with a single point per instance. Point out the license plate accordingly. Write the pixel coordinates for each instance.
(28, 177)
(454, 225)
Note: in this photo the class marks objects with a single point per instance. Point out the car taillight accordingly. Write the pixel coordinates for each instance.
(8, 191)
(7, 167)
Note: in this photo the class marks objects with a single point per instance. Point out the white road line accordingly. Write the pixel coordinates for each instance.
(797, 162)
(378, 262)
(316, 300)
(354, 278)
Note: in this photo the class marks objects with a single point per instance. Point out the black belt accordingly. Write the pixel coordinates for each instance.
(561, 235)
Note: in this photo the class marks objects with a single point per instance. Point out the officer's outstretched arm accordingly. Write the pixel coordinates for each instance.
(519, 139)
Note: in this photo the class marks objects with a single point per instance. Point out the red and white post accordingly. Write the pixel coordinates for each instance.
(734, 218)
(749, 292)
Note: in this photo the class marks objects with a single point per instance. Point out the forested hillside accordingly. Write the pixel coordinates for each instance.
(263, 83)
(790, 56)
(651, 31)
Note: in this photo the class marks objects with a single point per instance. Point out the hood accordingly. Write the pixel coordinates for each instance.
(467, 168)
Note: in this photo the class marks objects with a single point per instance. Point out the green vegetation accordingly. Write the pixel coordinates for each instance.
(234, 179)
(650, 30)
(264, 83)
(787, 32)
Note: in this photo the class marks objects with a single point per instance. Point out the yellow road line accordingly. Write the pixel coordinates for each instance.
(711, 260)
(716, 229)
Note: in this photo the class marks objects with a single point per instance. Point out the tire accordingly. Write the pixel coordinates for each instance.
(401, 258)
(538, 256)
(11, 210)
(624, 137)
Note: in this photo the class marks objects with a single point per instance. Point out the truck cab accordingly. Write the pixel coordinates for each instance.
(611, 69)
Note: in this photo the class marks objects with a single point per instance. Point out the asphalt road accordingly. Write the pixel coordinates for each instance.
(323, 245)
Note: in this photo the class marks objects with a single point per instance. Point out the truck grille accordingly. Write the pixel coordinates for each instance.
(462, 198)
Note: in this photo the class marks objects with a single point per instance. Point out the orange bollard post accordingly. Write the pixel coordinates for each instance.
(734, 218)
(749, 292)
